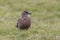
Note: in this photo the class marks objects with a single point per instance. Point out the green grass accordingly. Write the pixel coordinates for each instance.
(45, 19)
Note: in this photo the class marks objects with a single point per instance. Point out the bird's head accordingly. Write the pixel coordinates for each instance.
(26, 13)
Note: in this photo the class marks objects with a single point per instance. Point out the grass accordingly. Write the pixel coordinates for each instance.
(45, 19)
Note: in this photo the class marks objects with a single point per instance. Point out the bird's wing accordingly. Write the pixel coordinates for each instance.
(21, 21)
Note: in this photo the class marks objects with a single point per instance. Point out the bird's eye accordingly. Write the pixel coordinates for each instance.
(26, 12)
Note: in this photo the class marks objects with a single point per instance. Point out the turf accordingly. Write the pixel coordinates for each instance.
(45, 19)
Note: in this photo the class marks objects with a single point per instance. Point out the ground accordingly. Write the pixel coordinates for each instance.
(45, 19)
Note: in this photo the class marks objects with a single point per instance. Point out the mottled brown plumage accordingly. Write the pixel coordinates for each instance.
(25, 21)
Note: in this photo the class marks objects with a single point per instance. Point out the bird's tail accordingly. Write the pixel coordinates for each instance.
(17, 26)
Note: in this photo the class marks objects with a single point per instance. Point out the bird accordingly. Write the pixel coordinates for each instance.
(24, 22)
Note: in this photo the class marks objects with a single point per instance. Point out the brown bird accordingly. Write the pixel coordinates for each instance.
(25, 21)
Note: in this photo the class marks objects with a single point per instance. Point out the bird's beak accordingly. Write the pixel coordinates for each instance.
(30, 13)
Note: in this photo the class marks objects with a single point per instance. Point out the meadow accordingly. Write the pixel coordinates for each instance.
(45, 19)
